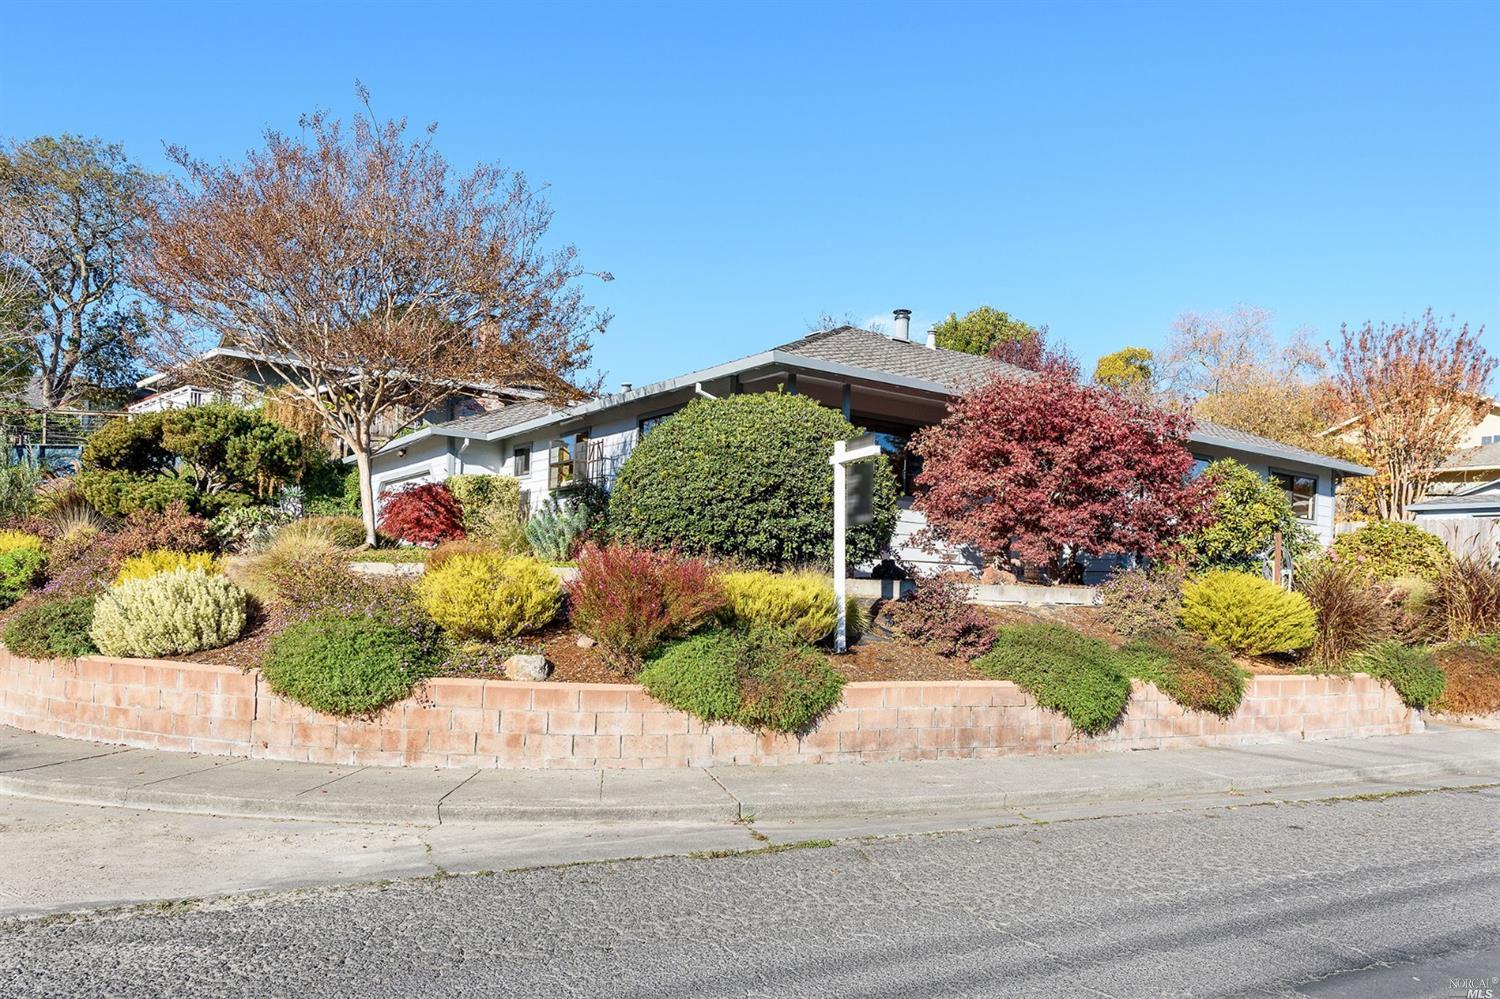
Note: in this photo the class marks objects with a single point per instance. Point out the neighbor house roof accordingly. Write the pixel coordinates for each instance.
(850, 352)
(1482, 456)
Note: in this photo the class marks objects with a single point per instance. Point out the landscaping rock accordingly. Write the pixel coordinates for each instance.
(527, 667)
(585, 642)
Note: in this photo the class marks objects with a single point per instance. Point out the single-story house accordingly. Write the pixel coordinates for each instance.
(891, 386)
(252, 377)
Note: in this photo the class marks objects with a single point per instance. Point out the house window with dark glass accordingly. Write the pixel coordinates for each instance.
(650, 423)
(523, 461)
(1301, 491)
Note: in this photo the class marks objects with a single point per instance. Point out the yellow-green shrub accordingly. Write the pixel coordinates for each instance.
(171, 612)
(798, 602)
(1246, 614)
(491, 596)
(162, 560)
(11, 540)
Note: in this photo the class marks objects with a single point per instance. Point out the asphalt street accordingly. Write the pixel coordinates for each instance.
(1389, 896)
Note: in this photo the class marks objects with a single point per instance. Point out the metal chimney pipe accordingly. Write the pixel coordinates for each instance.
(932, 338)
(903, 324)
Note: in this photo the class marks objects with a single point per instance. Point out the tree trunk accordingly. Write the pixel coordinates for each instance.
(366, 493)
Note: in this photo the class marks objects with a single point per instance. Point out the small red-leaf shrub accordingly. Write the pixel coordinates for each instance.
(422, 515)
(935, 615)
(631, 599)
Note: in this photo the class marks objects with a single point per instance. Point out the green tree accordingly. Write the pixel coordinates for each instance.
(980, 330)
(1247, 512)
(746, 477)
(1129, 370)
(69, 209)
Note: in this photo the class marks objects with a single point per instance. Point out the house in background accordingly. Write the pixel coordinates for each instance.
(1473, 462)
(181, 387)
(889, 385)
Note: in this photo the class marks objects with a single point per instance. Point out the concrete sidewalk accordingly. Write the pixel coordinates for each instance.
(55, 769)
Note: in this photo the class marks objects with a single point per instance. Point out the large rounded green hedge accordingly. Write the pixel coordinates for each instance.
(1388, 549)
(746, 477)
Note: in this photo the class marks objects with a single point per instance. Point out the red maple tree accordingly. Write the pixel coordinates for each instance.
(1052, 473)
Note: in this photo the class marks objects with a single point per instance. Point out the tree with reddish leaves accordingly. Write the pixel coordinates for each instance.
(1051, 473)
(426, 514)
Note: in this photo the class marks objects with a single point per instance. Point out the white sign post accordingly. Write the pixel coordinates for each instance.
(863, 447)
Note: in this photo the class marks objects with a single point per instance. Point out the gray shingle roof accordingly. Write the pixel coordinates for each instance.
(1483, 456)
(1209, 432)
(498, 419)
(907, 359)
(1475, 501)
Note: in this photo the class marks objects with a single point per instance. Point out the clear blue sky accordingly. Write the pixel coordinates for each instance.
(1099, 169)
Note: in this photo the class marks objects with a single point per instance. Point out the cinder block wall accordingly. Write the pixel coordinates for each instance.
(157, 704)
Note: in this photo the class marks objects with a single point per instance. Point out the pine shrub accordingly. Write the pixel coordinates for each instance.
(763, 679)
(425, 514)
(491, 597)
(936, 615)
(1247, 615)
(1199, 676)
(1064, 670)
(632, 599)
(57, 628)
(345, 665)
(170, 613)
(799, 602)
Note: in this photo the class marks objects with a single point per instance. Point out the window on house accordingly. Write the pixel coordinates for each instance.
(1301, 491)
(1490, 439)
(568, 459)
(649, 423)
(523, 461)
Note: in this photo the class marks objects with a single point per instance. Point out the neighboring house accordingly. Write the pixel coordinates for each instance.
(1468, 520)
(175, 389)
(1476, 459)
(890, 386)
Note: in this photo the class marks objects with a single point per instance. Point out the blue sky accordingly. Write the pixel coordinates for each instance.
(740, 170)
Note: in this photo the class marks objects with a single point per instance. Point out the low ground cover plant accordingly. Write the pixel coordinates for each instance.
(425, 514)
(798, 602)
(1142, 600)
(761, 679)
(168, 613)
(1246, 614)
(631, 599)
(345, 665)
(1064, 670)
(1197, 675)
(1411, 669)
(1472, 670)
(57, 628)
(1387, 549)
(935, 615)
(490, 597)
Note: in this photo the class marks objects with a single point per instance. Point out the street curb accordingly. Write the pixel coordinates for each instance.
(729, 810)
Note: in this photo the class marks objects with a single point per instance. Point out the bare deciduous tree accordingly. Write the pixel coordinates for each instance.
(1416, 387)
(366, 275)
(1208, 354)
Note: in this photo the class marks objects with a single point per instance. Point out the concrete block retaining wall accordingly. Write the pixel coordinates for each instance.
(219, 710)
